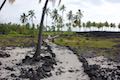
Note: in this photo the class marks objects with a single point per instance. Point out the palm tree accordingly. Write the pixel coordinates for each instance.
(47, 12)
(11, 1)
(88, 25)
(79, 15)
(32, 16)
(23, 18)
(55, 16)
(38, 50)
(62, 8)
(59, 22)
(70, 18)
(75, 20)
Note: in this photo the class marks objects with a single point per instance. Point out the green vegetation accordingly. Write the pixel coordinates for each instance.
(85, 42)
(9, 28)
(17, 39)
(85, 45)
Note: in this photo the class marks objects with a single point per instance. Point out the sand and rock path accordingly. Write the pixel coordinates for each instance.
(68, 65)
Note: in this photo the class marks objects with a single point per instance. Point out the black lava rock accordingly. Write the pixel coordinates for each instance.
(42, 71)
(9, 68)
(0, 63)
(4, 54)
(13, 75)
(46, 68)
(95, 72)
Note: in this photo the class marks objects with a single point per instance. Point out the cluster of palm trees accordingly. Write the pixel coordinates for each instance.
(58, 20)
(73, 21)
(56, 17)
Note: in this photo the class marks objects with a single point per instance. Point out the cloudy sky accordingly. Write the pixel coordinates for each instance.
(93, 10)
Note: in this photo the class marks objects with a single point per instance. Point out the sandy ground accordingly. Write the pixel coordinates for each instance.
(68, 66)
(16, 55)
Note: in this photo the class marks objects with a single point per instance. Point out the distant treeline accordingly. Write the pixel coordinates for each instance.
(8, 28)
(27, 29)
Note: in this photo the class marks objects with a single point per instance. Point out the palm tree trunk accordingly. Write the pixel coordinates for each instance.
(38, 50)
(2, 4)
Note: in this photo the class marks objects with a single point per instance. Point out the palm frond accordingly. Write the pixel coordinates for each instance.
(11, 1)
(39, 1)
(53, 2)
(59, 2)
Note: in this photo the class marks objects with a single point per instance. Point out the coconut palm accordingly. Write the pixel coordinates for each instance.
(79, 16)
(54, 16)
(31, 14)
(59, 22)
(62, 8)
(11, 1)
(70, 18)
(38, 50)
(23, 18)
(75, 20)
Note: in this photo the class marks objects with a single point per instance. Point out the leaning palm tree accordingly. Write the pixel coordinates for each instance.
(39, 44)
(11, 1)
